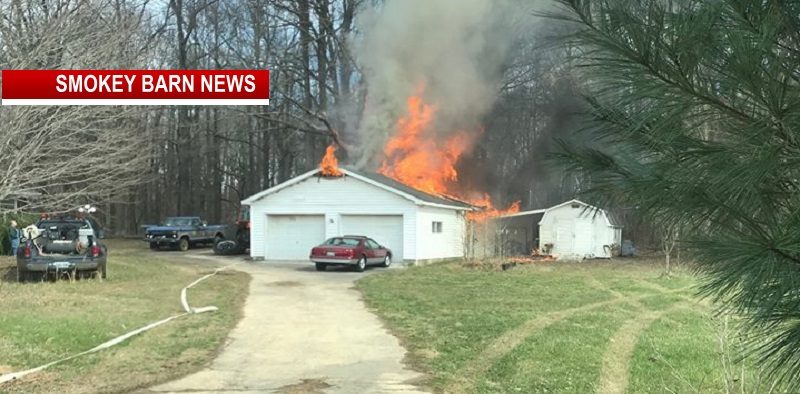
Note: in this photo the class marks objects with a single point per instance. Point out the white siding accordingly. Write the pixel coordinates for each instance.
(333, 197)
(605, 234)
(447, 244)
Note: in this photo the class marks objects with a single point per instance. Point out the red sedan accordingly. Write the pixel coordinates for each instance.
(356, 250)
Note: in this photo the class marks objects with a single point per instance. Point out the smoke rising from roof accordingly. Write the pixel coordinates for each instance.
(453, 50)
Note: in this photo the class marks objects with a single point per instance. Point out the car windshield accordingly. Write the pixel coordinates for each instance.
(178, 222)
(343, 241)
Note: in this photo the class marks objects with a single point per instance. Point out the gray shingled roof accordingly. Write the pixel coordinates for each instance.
(410, 190)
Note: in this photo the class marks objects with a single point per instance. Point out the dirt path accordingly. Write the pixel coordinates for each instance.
(303, 331)
(615, 370)
(511, 339)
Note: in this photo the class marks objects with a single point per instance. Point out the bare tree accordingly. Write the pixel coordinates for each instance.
(67, 156)
(669, 237)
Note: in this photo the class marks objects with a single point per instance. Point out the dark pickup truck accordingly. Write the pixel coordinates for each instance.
(68, 245)
(236, 237)
(182, 232)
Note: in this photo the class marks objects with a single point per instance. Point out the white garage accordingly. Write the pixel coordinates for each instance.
(289, 219)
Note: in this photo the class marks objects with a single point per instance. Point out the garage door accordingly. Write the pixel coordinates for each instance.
(387, 230)
(291, 237)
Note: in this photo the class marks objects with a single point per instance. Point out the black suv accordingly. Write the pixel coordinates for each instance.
(61, 245)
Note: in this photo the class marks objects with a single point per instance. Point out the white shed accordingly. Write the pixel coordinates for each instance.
(287, 220)
(577, 230)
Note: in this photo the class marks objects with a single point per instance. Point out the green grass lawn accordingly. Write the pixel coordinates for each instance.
(42, 322)
(605, 327)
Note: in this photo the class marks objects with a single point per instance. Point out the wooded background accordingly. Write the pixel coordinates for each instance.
(148, 163)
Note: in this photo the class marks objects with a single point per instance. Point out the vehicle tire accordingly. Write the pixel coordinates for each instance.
(321, 266)
(28, 276)
(217, 239)
(154, 245)
(361, 264)
(183, 244)
(387, 261)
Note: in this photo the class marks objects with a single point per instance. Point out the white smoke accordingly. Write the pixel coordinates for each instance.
(455, 49)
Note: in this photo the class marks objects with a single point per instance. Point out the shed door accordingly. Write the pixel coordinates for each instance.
(584, 237)
(291, 237)
(386, 229)
(564, 238)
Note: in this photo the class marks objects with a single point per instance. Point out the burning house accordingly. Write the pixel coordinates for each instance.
(290, 218)
(413, 203)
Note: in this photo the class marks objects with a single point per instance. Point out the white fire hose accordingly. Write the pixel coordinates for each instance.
(115, 341)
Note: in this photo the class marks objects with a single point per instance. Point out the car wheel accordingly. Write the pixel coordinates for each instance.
(321, 266)
(361, 264)
(183, 245)
(154, 245)
(28, 276)
(387, 261)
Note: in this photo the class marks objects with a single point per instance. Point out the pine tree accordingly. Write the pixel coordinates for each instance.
(695, 118)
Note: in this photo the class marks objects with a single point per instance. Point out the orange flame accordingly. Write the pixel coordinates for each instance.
(416, 157)
(489, 211)
(413, 156)
(329, 165)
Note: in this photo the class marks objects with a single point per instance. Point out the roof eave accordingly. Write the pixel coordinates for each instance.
(453, 207)
(260, 195)
(523, 213)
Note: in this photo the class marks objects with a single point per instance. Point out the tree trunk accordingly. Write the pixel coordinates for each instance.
(305, 58)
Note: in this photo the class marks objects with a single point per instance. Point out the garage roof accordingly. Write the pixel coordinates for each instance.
(385, 180)
(382, 181)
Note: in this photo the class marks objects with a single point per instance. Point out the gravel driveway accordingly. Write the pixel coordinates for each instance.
(303, 331)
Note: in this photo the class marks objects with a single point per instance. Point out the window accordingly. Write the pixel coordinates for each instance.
(338, 241)
(372, 244)
(436, 227)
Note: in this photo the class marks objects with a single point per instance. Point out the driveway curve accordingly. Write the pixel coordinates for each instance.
(302, 331)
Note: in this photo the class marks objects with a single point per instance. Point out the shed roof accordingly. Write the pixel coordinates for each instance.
(417, 196)
(524, 213)
(596, 210)
(610, 219)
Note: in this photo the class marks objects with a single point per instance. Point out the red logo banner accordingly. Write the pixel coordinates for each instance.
(135, 87)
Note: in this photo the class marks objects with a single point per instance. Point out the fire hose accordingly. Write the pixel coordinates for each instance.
(188, 310)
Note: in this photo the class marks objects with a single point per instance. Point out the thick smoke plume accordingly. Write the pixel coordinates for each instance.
(451, 50)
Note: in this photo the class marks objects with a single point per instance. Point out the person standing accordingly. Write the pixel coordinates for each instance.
(14, 235)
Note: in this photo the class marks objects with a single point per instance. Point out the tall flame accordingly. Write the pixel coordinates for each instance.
(329, 165)
(415, 157)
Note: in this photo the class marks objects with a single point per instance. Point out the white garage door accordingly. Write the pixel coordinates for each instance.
(387, 230)
(291, 237)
